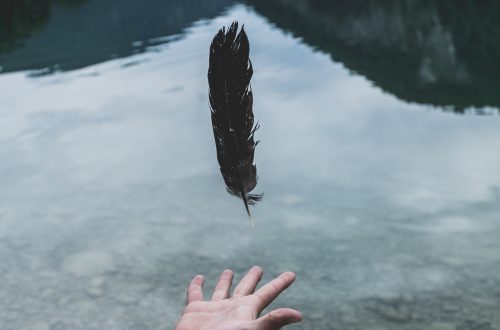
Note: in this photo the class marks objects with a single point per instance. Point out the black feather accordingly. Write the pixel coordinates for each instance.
(231, 99)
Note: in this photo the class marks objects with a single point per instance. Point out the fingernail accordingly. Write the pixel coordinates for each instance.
(256, 268)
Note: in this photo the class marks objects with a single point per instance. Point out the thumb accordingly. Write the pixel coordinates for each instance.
(277, 319)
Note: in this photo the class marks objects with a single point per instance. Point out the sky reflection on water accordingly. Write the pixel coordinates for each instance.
(112, 197)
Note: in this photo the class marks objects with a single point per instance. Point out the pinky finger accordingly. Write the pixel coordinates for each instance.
(278, 318)
(194, 292)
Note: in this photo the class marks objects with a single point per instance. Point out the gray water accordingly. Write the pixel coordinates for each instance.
(111, 197)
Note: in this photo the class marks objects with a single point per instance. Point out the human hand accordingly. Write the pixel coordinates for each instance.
(241, 310)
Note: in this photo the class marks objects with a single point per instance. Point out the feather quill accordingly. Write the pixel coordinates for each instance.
(231, 100)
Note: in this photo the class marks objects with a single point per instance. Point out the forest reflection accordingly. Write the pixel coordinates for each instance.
(442, 53)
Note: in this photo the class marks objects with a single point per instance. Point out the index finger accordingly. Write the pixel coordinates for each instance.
(273, 289)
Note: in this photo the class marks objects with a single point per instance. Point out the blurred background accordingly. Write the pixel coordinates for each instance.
(380, 132)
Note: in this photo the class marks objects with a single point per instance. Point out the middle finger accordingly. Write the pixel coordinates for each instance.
(223, 285)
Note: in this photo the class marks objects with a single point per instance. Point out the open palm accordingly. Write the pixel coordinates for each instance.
(241, 310)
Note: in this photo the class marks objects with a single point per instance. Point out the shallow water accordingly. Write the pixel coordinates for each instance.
(387, 208)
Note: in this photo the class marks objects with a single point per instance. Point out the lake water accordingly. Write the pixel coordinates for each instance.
(379, 159)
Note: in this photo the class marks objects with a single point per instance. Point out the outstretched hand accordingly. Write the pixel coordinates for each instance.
(241, 310)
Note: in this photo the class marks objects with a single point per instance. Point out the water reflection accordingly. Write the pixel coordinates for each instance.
(110, 197)
(443, 53)
(20, 19)
(58, 35)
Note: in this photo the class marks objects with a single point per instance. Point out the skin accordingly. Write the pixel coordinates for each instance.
(241, 310)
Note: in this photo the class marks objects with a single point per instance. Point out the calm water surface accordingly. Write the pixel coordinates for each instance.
(384, 201)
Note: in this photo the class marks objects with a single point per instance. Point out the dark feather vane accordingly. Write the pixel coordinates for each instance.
(231, 99)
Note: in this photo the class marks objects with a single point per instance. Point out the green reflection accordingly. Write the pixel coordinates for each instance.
(44, 36)
(443, 53)
(18, 19)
